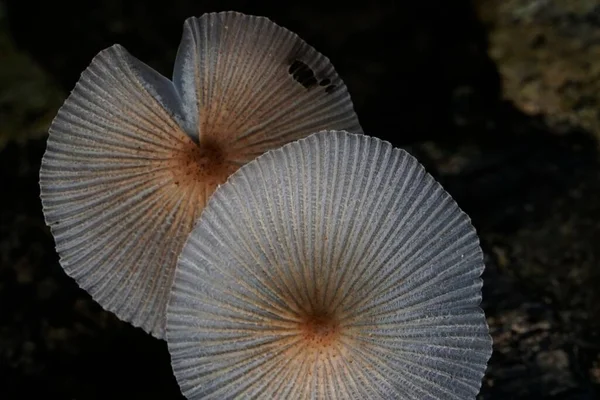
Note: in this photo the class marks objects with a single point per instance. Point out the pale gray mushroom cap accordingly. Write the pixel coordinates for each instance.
(132, 157)
(334, 267)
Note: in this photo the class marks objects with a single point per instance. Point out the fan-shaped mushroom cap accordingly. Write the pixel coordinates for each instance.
(334, 267)
(132, 157)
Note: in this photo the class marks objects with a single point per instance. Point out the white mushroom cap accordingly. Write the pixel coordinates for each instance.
(132, 157)
(334, 267)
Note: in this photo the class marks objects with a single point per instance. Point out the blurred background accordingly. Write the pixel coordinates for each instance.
(498, 98)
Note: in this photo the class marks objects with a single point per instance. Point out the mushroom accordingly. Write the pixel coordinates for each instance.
(334, 267)
(132, 157)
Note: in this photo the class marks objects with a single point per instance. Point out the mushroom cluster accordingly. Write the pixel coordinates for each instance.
(238, 212)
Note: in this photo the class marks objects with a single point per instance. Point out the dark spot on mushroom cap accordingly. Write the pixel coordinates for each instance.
(330, 89)
(302, 73)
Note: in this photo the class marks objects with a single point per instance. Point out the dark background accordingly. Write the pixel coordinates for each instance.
(496, 98)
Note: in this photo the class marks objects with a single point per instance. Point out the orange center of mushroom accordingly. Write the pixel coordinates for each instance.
(319, 329)
(203, 163)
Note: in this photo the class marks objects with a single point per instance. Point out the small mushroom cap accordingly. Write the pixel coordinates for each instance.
(334, 267)
(132, 157)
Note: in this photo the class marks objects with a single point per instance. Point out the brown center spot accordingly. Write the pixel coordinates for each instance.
(202, 164)
(320, 329)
